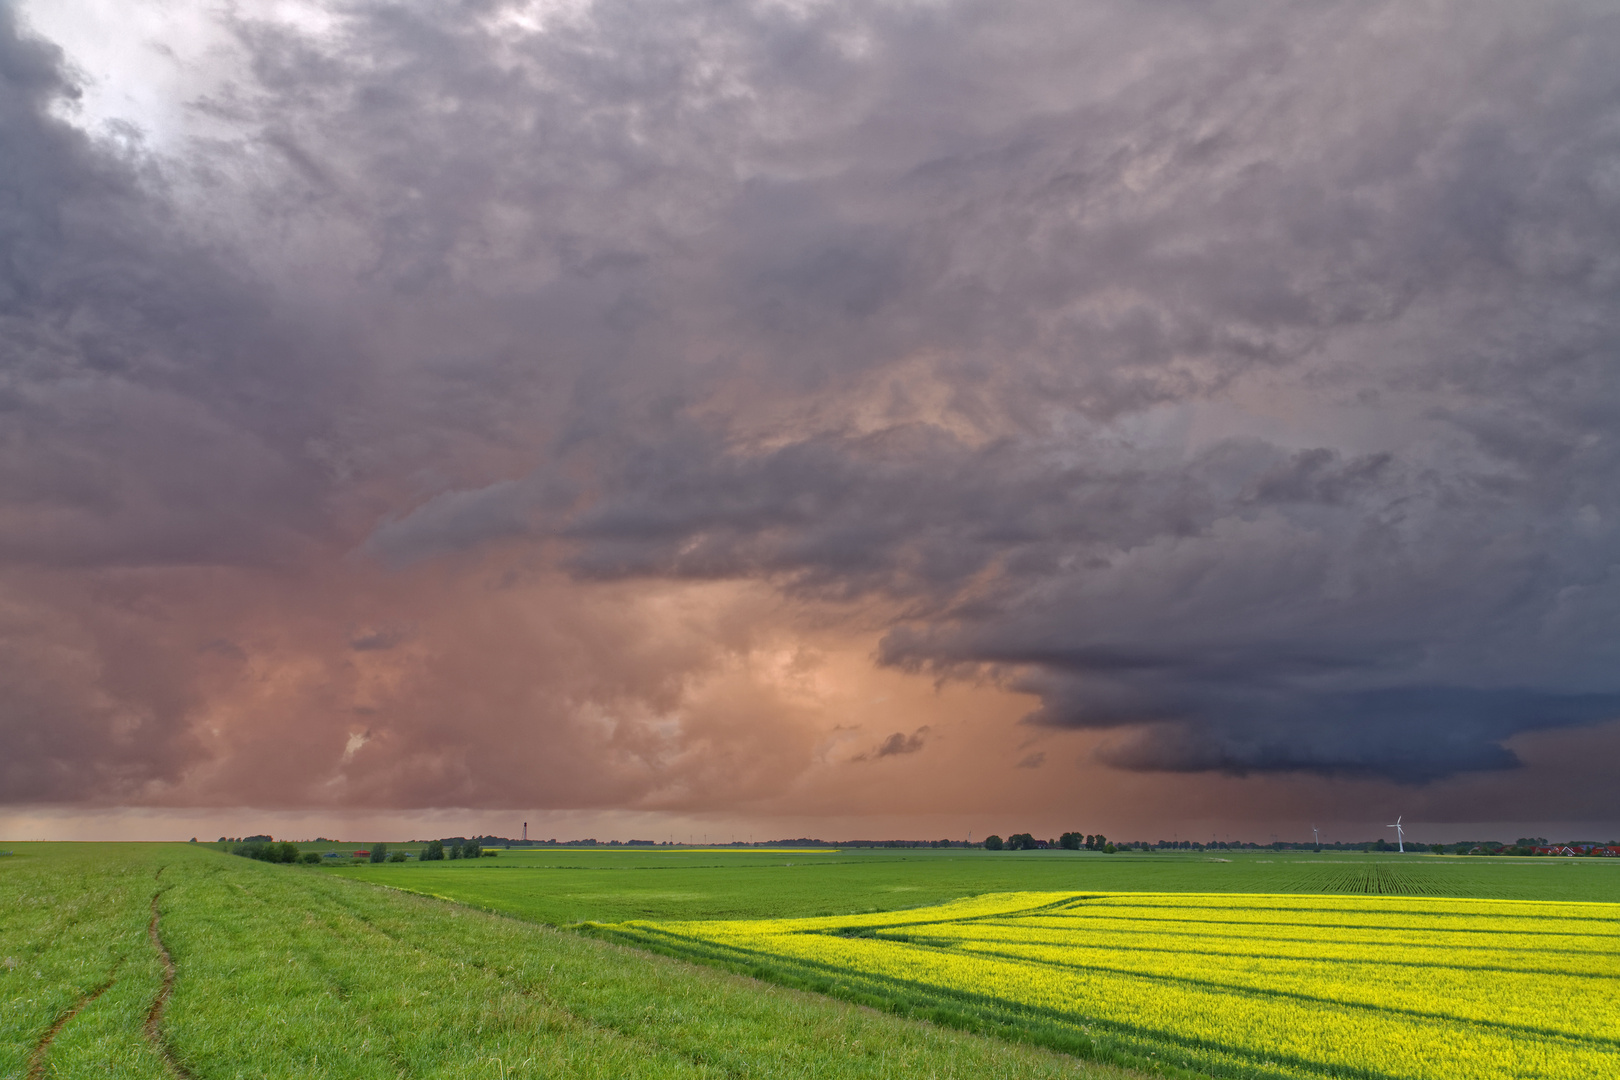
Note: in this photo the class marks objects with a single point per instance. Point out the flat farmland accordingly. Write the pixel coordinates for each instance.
(562, 886)
(285, 971)
(1378, 966)
(1227, 984)
(136, 961)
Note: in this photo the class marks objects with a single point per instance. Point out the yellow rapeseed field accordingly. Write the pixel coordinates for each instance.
(1240, 985)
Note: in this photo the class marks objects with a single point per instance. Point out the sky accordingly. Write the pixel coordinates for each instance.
(773, 419)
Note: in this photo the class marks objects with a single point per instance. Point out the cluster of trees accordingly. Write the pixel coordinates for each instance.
(1090, 841)
(435, 850)
(380, 853)
(267, 850)
(1071, 841)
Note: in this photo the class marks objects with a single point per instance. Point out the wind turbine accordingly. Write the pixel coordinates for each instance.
(1400, 834)
(1318, 837)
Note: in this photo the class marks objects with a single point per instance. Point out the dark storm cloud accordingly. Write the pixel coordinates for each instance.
(149, 398)
(898, 743)
(1242, 385)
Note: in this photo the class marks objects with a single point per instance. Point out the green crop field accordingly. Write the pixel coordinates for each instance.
(1229, 984)
(564, 886)
(291, 971)
(1236, 969)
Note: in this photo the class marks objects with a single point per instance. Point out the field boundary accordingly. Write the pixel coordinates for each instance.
(960, 1010)
(535, 991)
(1115, 1040)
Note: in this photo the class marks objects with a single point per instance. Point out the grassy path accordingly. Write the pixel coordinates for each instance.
(236, 969)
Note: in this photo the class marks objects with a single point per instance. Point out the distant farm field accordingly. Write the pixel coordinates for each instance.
(566, 886)
(1231, 985)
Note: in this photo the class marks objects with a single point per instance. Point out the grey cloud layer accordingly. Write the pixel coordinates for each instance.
(1243, 386)
(1397, 228)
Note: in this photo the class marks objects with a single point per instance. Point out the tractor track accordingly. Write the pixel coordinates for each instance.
(36, 1060)
(153, 1028)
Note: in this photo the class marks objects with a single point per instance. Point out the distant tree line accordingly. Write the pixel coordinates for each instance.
(1069, 841)
(435, 850)
(267, 850)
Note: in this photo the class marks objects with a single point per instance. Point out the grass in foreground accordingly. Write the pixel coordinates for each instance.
(1250, 986)
(284, 971)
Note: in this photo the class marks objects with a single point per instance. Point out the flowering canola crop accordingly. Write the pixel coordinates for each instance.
(1241, 985)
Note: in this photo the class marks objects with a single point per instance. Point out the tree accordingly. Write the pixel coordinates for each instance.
(992, 842)
(379, 852)
(1071, 841)
(267, 851)
(472, 849)
(431, 850)
(1021, 841)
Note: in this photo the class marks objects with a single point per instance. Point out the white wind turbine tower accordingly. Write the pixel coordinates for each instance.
(1400, 834)
(1317, 835)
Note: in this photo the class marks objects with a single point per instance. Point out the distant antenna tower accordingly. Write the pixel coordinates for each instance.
(525, 832)
(1400, 834)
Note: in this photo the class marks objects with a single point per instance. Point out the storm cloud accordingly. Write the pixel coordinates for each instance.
(482, 404)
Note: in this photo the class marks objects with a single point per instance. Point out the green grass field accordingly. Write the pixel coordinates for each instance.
(567, 886)
(287, 971)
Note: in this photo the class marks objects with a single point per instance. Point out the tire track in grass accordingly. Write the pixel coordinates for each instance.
(36, 1060)
(153, 1028)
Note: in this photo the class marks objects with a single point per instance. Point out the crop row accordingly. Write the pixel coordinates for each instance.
(1374, 879)
(1136, 967)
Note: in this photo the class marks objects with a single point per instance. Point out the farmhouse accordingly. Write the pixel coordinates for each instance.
(1606, 850)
